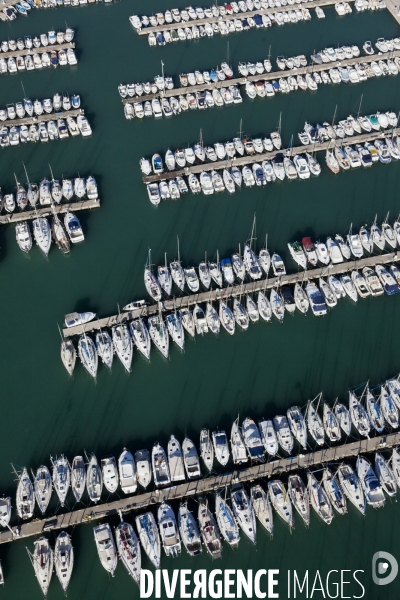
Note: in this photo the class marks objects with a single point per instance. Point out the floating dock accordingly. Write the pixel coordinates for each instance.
(53, 116)
(252, 158)
(48, 211)
(206, 485)
(314, 68)
(40, 50)
(239, 15)
(233, 291)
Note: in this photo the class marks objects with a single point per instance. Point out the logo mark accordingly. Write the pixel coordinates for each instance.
(380, 565)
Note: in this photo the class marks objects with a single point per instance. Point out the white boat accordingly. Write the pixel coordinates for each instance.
(251, 263)
(42, 234)
(127, 472)
(160, 467)
(351, 487)
(385, 475)
(277, 305)
(129, 549)
(226, 317)
(297, 425)
(396, 465)
(204, 274)
(221, 447)
(264, 306)
(106, 547)
(372, 489)
(278, 265)
(206, 449)
(143, 467)
(152, 286)
(191, 459)
(94, 479)
(319, 499)
(5, 511)
(140, 336)
(314, 423)
(239, 453)
(298, 494)
(61, 478)
(23, 236)
(164, 277)
(243, 511)
(343, 416)
(349, 287)
(393, 388)
(262, 507)
(226, 522)
(43, 488)
(389, 408)
(280, 500)
(297, 253)
(359, 416)
(209, 530)
(105, 348)
(169, 531)
(110, 474)
(283, 433)
(268, 436)
(63, 559)
(327, 292)
(189, 531)
(149, 537)
(334, 491)
(175, 460)
(88, 354)
(331, 424)
(374, 412)
(212, 319)
(75, 318)
(159, 334)
(73, 228)
(68, 355)
(78, 477)
(334, 252)
(175, 329)
(123, 346)
(42, 560)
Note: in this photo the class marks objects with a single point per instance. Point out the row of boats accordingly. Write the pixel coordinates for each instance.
(44, 232)
(38, 60)
(51, 38)
(23, 7)
(53, 129)
(26, 108)
(48, 192)
(331, 54)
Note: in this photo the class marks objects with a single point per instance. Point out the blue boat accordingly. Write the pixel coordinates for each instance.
(21, 10)
(258, 20)
(213, 76)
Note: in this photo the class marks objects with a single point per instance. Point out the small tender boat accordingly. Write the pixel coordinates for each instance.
(106, 547)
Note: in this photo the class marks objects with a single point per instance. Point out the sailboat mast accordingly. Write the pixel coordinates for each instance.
(179, 258)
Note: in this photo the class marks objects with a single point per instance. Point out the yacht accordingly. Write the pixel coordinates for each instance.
(192, 280)
(358, 415)
(226, 522)
(129, 549)
(206, 449)
(334, 491)
(88, 354)
(297, 254)
(168, 530)
(331, 424)
(387, 280)
(159, 334)
(252, 440)
(127, 472)
(43, 488)
(344, 248)
(251, 263)
(393, 388)
(343, 416)
(226, 317)
(240, 314)
(42, 560)
(278, 266)
(191, 459)
(314, 423)
(123, 346)
(160, 466)
(227, 271)
(299, 497)
(374, 412)
(268, 436)
(388, 408)
(42, 234)
(59, 235)
(351, 487)
(238, 447)
(199, 320)
(152, 285)
(175, 329)
(360, 284)
(297, 425)
(372, 489)
(327, 292)
(140, 337)
(349, 287)
(78, 477)
(319, 499)
(204, 274)
(264, 306)
(68, 355)
(5, 511)
(177, 274)
(238, 266)
(283, 433)
(106, 547)
(94, 479)
(63, 559)
(243, 511)
(23, 235)
(75, 318)
(73, 228)
(110, 474)
(262, 507)
(221, 447)
(209, 530)
(149, 537)
(212, 319)
(175, 460)
(215, 272)
(61, 478)
(280, 500)
(189, 531)
(104, 347)
(143, 467)
(309, 251)
(385, 475)
(164, 278)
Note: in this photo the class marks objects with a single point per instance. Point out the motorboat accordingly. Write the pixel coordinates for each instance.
(226, 522)
(23, 236)
(200, 320)
(297, 253)
(129, 549)
(42, 561)
(280, 500)
(331, 424)
(327, 292)
(186, 317)
(43, 488)
(355, 245)
(238, 447)
(192, 279)
(5, 511)
(64, 559)
(358, 415)
(283, 433)
(123, 346)
(73, 228)
(227, 270)
(209, 530)
(344, 248)
(177, 274)
(315, 425)
(370, 483)
(387, 280)
(262, 507)
(106, 547)
(175, 460)
(268, 436)
(360, 284)
(78, 477)
(319, 499)
(299, 497)
(169, 531)
(309, 251)
(110, 473)
(143, 467)
(243, 511)
(61, 478)
(94, 479)
(160, 466)
(278, 265)
(297, 425)
(74, 319)
(336, 286)
(349, 287)
(221, 447)
(190, 459)
(189, 531)
(252, 439)
(350, 484)
(316, 299)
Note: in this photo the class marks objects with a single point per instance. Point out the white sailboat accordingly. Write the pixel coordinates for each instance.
(191, 459)
(358, 415)
(319, 499)
(42, 234)
(314, 423)
(370, 483)
(221, 447)
(262, 507)
(140, 336)
(297, 425)
(94, 479)
(299, 496)
(385, 475)
(105, 348)
(25, 498)
(159, 334)
(239, 453)
(63, 559)
(78, 477)
(88, 354)
(206, 449)
(143, 467)
(268, 436)
(127, 472)
(165, 278)
(243, 511)
(42, 561)
(280, 500)
(43, 487)
(61, 477)
(283, 433)
(226, 317)
(343, 416)
(334, 491)
(175, 460)
(149, 537)
(189, 531)
(226, 522)
(152, 286)
(123, 346)
(106, 547)
(129, 549)
(331, 424)
(351, 487)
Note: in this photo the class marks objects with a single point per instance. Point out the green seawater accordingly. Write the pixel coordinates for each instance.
(257, 373)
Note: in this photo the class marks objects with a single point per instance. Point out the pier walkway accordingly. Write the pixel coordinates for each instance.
(40, 50)
(233, 291)
(202, 486)
(252, 158)
(313, 68)
(394, 9)
(74, 112)
(48, 211)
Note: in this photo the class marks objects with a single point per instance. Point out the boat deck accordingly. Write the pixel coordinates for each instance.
(40, 50)
(263, 77)
(201, 486)
(234, 291)
(47, 211)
